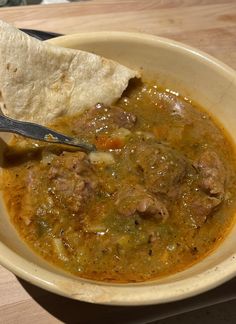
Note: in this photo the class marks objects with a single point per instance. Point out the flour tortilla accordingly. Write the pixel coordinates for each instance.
(39, 81)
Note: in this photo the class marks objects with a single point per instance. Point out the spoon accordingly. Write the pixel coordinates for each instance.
(41, 133)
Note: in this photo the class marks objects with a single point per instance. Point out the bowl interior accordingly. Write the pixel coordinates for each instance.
(196, 76)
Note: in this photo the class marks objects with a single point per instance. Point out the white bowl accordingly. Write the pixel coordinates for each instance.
(192, 73)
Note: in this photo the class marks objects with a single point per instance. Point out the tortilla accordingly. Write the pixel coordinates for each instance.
(40, 81)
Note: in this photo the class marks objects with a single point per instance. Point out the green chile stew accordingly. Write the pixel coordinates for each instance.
(157, 197)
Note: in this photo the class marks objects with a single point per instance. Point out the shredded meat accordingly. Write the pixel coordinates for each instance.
(72, 179)
(134, 199)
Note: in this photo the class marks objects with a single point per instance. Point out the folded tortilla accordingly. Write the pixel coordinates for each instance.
(39, 81)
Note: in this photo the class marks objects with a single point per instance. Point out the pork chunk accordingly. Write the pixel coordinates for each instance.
(198, 206)
(212, 174)
(132, 199)
(205, 192)
(102, 119)
(163, 167)
(72, 180)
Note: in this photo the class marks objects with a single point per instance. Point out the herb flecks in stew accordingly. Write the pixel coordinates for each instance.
(158, 195)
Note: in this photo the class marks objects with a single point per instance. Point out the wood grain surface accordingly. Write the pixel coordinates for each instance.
(209, 25)
(206, 24)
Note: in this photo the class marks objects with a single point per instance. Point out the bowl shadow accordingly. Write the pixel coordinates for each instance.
(73, 311)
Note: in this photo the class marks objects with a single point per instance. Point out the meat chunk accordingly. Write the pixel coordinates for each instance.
(72, 180)
(162, 166)
(207, 191)
(198, 206)
(120, 117)
(77, 162)
(134, 199)
(212, 174)
(174, 104)
(102, 119)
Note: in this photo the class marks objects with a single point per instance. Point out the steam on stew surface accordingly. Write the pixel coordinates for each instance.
(157, 196)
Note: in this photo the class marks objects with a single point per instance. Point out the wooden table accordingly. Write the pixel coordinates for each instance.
(206, 24)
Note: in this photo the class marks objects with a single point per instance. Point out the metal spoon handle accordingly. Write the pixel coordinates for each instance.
(40, 133)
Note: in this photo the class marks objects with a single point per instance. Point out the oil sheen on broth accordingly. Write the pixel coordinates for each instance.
(158, 196)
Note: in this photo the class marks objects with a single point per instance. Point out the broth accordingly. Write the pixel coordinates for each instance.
(157, 197)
